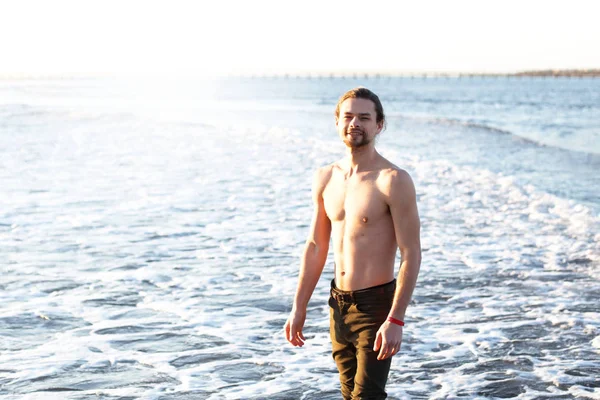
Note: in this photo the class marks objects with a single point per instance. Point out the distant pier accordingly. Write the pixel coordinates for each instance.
(550, 73)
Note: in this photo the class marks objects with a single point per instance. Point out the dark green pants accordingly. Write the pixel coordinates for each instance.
(355, 318)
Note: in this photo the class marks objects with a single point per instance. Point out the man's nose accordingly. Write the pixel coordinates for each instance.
(355, 122)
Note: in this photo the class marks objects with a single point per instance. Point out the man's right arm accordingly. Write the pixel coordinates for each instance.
(313, 259)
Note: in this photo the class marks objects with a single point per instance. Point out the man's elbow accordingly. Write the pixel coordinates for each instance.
(413, 257)
(316, 250)
(418, 257)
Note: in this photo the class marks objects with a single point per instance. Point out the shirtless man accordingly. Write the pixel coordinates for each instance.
(368, 207)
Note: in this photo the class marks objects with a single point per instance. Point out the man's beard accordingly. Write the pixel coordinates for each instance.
(361, 141)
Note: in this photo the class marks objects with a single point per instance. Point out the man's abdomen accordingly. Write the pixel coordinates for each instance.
(363, 261)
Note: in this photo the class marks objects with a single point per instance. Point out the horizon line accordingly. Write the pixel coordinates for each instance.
(556, 72)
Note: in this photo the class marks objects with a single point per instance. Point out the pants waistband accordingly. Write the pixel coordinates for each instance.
(367, 293)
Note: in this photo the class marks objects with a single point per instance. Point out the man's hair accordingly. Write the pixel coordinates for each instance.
(362, 93)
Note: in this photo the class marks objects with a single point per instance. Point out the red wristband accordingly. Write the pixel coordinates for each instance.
(395, 321)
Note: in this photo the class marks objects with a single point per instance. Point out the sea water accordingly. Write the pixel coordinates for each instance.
(151, 233)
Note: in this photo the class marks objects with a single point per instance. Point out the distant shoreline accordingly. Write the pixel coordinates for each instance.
(595, 73)
(547, 73)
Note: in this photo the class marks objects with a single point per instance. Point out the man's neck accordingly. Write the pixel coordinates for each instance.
(360, 159)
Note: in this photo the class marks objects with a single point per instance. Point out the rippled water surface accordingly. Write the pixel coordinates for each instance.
(151, 232)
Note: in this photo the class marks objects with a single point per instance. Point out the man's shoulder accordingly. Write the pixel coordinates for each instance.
(394, 175)
(322, 176)
(394, 180)
(325, 171)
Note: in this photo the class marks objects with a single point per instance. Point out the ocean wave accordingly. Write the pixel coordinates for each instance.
(529, 138)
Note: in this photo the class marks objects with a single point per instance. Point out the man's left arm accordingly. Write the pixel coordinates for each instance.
(402, 201)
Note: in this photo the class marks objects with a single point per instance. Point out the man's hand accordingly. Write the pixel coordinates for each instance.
(293, 328)
(388, 340)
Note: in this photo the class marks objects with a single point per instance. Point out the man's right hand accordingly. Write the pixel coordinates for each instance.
(293, 328)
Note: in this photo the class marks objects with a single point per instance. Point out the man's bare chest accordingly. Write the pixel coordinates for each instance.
(354, 201)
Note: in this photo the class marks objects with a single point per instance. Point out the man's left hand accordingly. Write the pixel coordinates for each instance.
(388, 340)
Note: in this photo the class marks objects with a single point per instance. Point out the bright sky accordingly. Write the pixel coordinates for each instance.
(263, 36)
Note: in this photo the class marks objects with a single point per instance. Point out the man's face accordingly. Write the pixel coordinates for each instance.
(357, 123)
